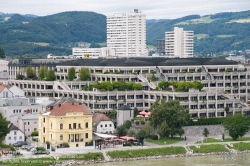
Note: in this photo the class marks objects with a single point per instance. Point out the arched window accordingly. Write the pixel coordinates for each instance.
(61, 126)
(86, 125)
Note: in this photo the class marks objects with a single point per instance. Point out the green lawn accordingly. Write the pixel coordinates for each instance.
(200, 35)
(30, 162)
(241, 146)
(150, 46)
(242, 20)
(208, 148)
(146, 152)
(197, 21)
(164, 140)
(224, 36)
(211, 140)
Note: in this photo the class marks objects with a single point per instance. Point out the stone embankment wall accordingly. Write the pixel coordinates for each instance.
(214, 130)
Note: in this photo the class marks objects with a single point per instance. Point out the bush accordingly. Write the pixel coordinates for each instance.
(90, 143)
(153, 137)
(137, 122)
(34, 133)
(127, 144)
(40, 149)
(142, 123)
(7, 146)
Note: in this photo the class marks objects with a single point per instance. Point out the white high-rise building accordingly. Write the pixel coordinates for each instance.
(126, 33)
(179, 43)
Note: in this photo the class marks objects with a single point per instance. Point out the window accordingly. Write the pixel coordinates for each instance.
(28, 123)
(14, 111)
(50, 125)
(14, 138)
(19, 111)
(9, 138)
(101, 125)
(43, 129)
(43, 120)
(28, 129)
(20, 137)
(14, 132)
(50, 136)
(61, 137)
(61, 126)
(86, 135)
(24, 123)
(110, 125)
(35, 123)
(86, 125)
(105, 125)
(34, 129)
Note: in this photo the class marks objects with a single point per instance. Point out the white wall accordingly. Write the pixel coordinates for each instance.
(28, 125)
(6, 93)
(17, 92)
(104, 129)
(14, 136)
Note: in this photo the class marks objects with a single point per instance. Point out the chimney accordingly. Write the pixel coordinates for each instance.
(51, 107)
(59, 105)
(72, 103)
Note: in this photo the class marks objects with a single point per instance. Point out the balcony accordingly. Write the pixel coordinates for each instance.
(75, 140)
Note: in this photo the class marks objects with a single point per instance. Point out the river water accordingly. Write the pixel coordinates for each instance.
(210, 160)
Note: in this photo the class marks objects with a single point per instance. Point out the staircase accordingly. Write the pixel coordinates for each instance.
(143, 79)
(62, 86)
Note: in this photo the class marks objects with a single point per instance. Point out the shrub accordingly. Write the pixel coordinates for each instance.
(40, 149)
(127, 144)
(154, 137)
(142, 123)
(137, 122)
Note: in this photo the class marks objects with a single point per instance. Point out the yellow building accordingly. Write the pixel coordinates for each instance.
(66, 123)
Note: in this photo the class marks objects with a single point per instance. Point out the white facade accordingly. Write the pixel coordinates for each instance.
(28, 123)
(105, 127)
(126, 33)
(5, 93)
(179, 43)
(17, 92)
(14, 136)
(93, 52)
(4, 66)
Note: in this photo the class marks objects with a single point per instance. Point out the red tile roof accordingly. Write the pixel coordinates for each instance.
(98, 117)
(61, 110)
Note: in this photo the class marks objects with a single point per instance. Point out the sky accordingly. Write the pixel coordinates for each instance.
(154, 9)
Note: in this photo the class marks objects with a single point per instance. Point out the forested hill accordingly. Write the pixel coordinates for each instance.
(55, 34)
(58, 33)
(213, 33)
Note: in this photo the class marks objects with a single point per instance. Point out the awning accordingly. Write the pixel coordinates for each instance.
(105, 135)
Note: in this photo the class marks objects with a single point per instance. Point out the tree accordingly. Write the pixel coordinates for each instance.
(237, 125)
(50, 75)
(30, 73)
(43, 72)
(205, 132)
(4, 130)
(112, 114)
(84, 74)
(168, 117)
(19, 76)
(227, 110)
(136, 111)
(71, 74)
(141, 135)
(127, 124)
(121, 130)
(131, 133)
(34, 133)
(2, 53)
(149, 129)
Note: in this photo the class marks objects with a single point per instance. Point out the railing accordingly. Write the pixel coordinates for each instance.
(75, 140)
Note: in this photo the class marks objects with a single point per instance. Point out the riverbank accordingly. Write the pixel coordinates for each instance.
(130, 154)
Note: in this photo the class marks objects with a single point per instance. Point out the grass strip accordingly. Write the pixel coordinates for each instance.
(85, 156)
(29, 162)
(208, 148)
(146, 152)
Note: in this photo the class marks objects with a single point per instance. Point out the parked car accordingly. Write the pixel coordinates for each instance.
(29, 148)
(25, 146)
(19, 144)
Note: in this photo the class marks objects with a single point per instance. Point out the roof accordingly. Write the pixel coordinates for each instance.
(124, 107)
(98, 117)
(13, 127)
(29, 116)
(105, 135)
(62, 100)
(63, 109)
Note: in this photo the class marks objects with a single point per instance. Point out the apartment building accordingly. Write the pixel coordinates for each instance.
(92, 52)
(126, 33)
(179, 43)
(66, 123)
(225, 84)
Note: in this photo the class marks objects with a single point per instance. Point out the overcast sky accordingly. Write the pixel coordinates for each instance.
(154, 9)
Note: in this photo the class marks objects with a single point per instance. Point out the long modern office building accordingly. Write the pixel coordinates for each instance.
(225, 83)
(126, 33)
(179, 43)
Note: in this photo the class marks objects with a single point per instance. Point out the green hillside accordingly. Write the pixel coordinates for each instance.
(57, 34)
(213, 33)
(61, 31)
